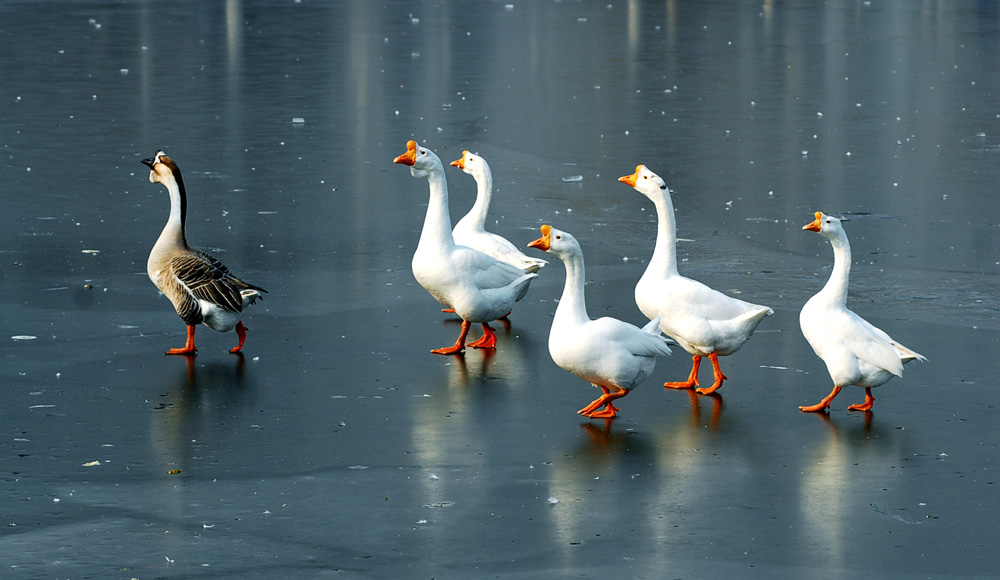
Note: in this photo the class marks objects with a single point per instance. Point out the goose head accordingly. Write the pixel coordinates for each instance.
(556, 242)
(825, 225)
(420, 160)
(162, 169)
(471, 163)
(645, 181)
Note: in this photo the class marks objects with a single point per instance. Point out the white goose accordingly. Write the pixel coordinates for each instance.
(200, 287)
(854, 350)
(478, 287)
(470, 230)
(612, 355)
(705, 322)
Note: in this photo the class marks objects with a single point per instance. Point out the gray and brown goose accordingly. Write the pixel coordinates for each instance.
(200, 287)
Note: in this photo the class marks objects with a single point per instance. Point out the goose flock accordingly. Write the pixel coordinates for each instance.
(480, 276)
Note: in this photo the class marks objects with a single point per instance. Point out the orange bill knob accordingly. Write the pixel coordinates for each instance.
(631, 179)
(543, 243)
(460, 163)
(410, 157)
(816, 225)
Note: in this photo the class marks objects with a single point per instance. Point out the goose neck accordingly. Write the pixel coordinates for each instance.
(484, 194)
(664, 260)
(437, 222)
(172, 235)
(836, 287)
(572, 305)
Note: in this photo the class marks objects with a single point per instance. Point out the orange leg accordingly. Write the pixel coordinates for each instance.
(448, 310)
(504, 317)
(692, 380)
(717, 373)
(609, 411)
(822, 405)
(488, 340)
(241, 332)
(867, 405)
(596, 402)
(459, 344)
(189, 347)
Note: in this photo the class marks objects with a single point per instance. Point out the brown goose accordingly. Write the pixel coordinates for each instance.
(200, 287)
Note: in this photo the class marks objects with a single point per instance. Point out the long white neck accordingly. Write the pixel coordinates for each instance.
(436, 233)
(664, 260)
(172, 236)
(836, 287)
(573, 304)
(484, 194)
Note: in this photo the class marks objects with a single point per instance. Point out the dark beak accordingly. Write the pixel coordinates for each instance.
(149, 162)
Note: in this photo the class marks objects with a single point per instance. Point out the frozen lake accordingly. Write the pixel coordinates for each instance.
(336, 445)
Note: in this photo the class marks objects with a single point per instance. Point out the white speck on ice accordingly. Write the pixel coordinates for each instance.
(124, 71)
(552, 500)
(23, 337)
(298, 120)
(572, 178)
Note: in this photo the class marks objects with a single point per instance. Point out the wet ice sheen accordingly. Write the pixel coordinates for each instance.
(268, 444)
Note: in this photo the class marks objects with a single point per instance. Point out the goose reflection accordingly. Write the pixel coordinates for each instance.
(186, 409)
(455, 428)
(620, 455)
(829, 504)
(593, 485)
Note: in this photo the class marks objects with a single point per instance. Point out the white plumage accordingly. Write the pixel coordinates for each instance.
(704, 321)
(610, 354)
(471, 229)
(478, 287)
(854, 350)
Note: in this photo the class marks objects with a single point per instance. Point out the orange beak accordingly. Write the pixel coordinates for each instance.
(816, 225)
(631, 179)
(543, 243)
(410, 157)
(460, 163)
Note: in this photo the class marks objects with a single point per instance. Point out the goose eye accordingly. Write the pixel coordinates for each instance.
(558, 237)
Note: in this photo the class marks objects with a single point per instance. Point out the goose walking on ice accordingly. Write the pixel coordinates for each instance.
(471, 229)
(201, 288)
(704, 321)
(612, 355)
(855, 351)
(478, 287)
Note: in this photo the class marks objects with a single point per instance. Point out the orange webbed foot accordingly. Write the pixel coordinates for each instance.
(459, 345)
(448, 310)
(822, 405)
(689, 384)
(488, 340)
(182, 350)
(709, 390)
(717, 373)
(456, 349)
(692, 380)
(609, 411)
(241, 332)
(867, 405)
(188, 347)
